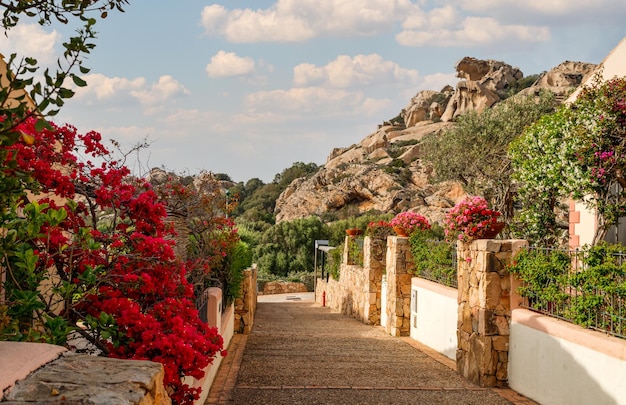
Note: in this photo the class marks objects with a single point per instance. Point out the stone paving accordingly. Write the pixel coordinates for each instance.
(301, 353)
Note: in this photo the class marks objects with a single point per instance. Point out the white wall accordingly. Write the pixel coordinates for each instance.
(554, 362)
(383, 301)
(586, 229)
(434, 313)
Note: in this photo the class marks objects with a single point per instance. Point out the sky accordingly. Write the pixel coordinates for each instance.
(248, 88)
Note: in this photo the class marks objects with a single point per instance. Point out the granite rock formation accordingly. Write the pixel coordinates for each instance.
(384, 172)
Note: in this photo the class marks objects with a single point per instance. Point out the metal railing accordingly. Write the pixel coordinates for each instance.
(441, 266)
(586, 288)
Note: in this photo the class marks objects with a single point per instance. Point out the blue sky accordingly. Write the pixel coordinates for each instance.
(249, 87)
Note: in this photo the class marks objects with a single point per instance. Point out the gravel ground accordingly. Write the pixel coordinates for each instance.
(301, 353)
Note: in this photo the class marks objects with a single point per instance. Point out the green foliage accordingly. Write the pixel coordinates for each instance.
(397, 120)
(544, 274)
(546, 169)
(239, 260)
(434, 258)
(355, 251)
(521, 84)
(335, 257)
(592, 294)
(336, 231)
(579, 151)
(297, 170)
(474, 152)
(288, 246)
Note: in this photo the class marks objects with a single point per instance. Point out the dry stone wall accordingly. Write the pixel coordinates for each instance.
(484, 310)
(282, 287)
(399, 272)
(245, 305)
(357, 293)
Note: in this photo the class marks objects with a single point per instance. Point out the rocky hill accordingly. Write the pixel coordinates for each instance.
(384, 172)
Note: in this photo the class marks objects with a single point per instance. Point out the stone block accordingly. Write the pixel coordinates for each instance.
(502, 325)
(488, 381)
(467, 319)
(501, 344)
(473, 297)
(102, 380)
(486, 323)
(490, 290)
(502, 372)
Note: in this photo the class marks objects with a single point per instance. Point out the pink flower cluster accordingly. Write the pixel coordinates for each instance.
(410, 221)
(469, 218)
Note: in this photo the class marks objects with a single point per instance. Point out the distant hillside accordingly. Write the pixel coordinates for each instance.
(384, 171)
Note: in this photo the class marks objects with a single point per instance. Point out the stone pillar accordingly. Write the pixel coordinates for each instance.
(374, 267)
(399, 272)
(245, 305)
(484, 310)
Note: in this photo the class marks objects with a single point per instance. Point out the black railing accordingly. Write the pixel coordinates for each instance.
(587, 288)
(435, 260)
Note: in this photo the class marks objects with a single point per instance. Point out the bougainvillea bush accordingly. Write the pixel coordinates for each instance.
(92, 255)
(468, 218)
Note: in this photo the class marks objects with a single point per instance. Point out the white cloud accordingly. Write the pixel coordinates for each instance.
(544, 10)
(166, 89)
(357, 71)
(471, 32)
(225, 64)
(304, 101)
(300, 20)
(438, 81)
(30, 40)
(117, 92)
(102, 87)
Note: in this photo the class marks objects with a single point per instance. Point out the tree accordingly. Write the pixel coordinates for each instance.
(579, 152)
(209, 238)
(297, 170)
(474, 151)
(288, 246)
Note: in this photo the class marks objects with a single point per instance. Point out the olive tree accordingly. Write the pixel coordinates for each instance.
(474, 151)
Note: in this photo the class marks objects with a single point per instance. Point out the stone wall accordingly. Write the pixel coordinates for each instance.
(484, 310)
(282, 287)
(72, 377)
(399, 272)
(357, 293)
(245, 305)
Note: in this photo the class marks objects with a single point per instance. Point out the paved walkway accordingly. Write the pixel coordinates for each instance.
(301, 353)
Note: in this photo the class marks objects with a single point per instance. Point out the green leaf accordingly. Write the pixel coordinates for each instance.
(78, 81)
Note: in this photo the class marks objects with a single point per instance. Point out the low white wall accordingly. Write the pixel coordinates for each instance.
(434, 314)
(555, 362)
(226, 327)
(383, 301)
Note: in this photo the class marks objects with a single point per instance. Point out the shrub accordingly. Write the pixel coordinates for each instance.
(379, 230)
(410, 221)
(113, 279)
(434, 259)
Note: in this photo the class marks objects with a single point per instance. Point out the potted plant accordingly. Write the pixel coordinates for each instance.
(405, 223)
(472, 219)
(379, 230)
(354, 232)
